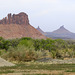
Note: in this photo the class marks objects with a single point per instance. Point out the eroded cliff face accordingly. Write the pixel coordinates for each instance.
(21, 19)
(17, 26)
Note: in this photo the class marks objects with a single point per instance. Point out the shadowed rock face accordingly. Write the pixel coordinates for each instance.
(21, 18)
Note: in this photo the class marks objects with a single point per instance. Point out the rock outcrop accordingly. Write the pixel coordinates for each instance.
(5, 63)
(17, 26)
(21, 18)
(40, 30)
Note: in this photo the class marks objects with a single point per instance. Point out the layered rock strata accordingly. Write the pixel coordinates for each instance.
(17, 26)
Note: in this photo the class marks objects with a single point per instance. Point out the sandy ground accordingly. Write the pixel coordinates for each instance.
(48, 72)
(5, 63)
(32, 72)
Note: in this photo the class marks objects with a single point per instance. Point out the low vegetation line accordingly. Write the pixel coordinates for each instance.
(27, 49)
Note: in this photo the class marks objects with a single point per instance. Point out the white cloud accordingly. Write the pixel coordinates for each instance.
(41, 13)
(51, 1)
(37, 1)
(26, 1)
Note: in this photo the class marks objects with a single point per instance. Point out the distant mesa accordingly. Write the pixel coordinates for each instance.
(17, 26)
(61, 33)
(62, 30)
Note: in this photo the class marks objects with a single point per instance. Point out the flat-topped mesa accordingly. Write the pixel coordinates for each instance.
(21, 19)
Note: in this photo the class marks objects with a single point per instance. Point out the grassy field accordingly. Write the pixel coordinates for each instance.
(32, 68)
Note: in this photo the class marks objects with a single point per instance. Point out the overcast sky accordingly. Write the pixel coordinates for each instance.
(48, 14)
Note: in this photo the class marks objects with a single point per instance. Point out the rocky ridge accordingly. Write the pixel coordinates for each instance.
(39, 29)
(61, 33)
(17, 26)
(21, 18)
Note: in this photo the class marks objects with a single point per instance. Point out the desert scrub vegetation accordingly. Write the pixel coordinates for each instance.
(28, 49)
(20, 53)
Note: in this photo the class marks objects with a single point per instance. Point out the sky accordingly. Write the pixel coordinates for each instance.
(49, 15)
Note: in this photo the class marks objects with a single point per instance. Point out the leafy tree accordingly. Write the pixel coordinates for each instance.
(37, 44)
(26, 43)
(2, 43)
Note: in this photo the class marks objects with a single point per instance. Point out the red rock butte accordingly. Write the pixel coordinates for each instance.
(21, 18)
(17, 26)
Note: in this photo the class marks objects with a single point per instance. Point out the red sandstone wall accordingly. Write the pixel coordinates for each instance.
(21, 19)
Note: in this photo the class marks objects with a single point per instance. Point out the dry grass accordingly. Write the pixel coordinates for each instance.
(32, 68)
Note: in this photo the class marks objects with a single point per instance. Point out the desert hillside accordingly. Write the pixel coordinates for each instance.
(17, 26)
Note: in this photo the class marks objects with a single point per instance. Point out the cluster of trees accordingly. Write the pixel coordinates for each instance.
(27, 49)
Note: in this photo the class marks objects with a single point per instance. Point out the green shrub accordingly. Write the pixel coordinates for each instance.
(27, 49)
(20, 53)
(2, 51)
(26, 43)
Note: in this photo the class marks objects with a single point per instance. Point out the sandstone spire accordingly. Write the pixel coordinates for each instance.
(21, 19)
